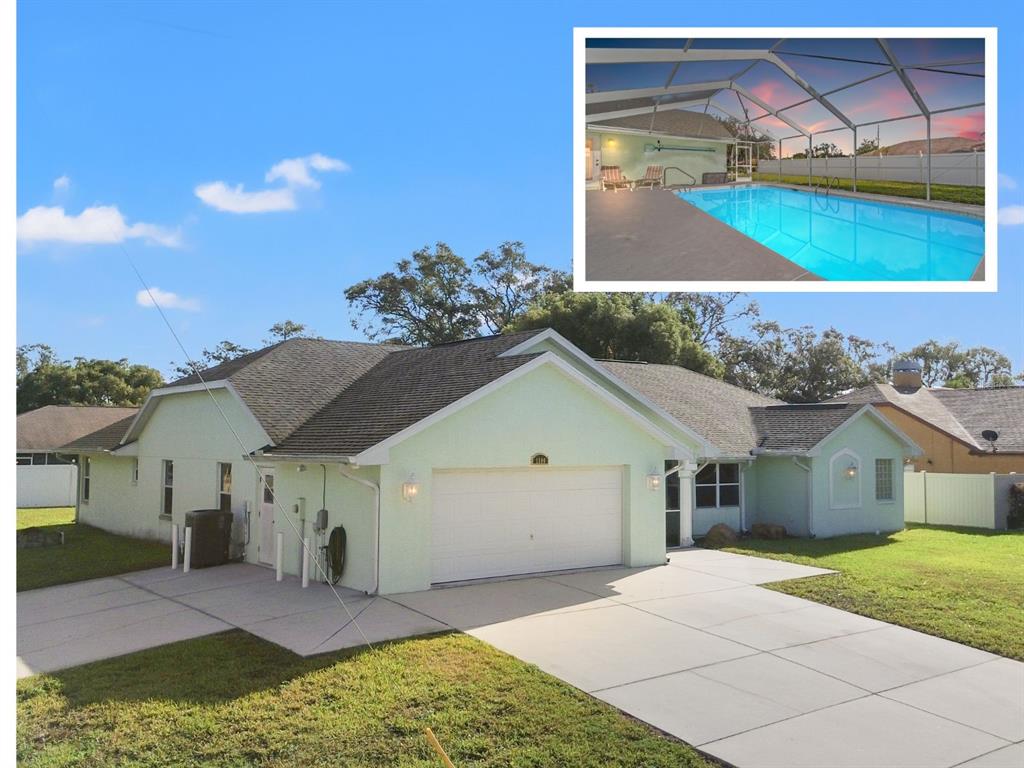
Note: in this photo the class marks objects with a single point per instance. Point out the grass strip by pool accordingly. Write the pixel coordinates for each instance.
(235, 700)
(949, 193)
(963, 584)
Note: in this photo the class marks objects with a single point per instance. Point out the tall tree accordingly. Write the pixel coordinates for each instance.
(427, 299)
(713, 315)
(43, 379)
(507, 283)
(951, 365)
(798, 365)
(620, 326)
(287, 329)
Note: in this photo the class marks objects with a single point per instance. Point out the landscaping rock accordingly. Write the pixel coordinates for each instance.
(720, 535)
(768, 531)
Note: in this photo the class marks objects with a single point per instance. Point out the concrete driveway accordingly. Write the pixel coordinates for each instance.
(71, 624)
(750, 676)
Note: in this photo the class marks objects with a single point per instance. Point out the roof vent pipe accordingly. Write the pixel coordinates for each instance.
(906, 374)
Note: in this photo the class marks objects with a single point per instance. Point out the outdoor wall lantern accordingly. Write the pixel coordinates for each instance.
(410, 488)
(851, 471)
(653, 481)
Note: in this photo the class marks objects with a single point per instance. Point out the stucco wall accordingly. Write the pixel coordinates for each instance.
(781, 494)
(188, 429)
(870, 441)
(944, 454)
(543, 411)
(626, 150)
(348, 503)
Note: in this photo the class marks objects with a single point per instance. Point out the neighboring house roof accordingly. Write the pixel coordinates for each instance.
(104, 439)
(961, 413)
(999, 408)
(719, 411)
(406, 387)
(670, 122)
(798, 428)
(53, 426)
(285, 384)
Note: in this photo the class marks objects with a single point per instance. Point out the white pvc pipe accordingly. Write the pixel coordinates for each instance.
(188, 549)
(174, 547)
(305, 562)
(279, 559)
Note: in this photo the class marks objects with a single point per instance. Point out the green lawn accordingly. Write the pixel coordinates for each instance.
(950, 193)
(88, 553)
(235, 700)
(963, 584)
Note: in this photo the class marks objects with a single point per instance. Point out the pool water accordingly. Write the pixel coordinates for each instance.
(841, 238)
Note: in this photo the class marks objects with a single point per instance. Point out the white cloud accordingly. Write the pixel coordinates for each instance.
(296, 172)
(165, 299)
(1007, 182)
(219, 195)
(1011, 215)
(97, 225)
(61, 183)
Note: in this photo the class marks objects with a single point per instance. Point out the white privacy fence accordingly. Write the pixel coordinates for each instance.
(974, 501)
(48, 485)
(965, 168)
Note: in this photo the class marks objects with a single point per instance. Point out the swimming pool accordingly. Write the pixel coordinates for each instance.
(842, 238)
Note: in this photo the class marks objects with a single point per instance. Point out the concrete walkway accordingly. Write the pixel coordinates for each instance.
(753, 677)
(72, 624)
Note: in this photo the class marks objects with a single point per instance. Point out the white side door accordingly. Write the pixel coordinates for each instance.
(266, 554)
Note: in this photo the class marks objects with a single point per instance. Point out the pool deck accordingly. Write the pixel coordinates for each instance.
(652, 235)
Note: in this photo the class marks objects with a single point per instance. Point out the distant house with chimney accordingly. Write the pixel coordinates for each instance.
(953, 427)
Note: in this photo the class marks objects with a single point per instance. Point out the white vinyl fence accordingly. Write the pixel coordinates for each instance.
(973, 501)
(965, 168)
(49, 485)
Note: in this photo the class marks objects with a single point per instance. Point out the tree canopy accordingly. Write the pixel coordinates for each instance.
(44, 379)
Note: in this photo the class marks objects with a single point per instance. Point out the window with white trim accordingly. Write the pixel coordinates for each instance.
(883, 480)
(718, 485)
(86, 470)
(224, 487)
(167, 491)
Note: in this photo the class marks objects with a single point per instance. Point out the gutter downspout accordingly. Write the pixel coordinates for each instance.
(810, 497)
(376, 507)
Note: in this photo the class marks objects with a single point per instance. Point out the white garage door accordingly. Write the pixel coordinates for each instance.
(504, 522)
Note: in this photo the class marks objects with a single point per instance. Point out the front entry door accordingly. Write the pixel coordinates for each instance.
(267, 518)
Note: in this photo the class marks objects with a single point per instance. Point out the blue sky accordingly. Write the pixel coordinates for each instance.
(407, 123)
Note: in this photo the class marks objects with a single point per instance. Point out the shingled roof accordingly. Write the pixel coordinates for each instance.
(399, 391)
(670, 122)
(960, 413)
(286, 383)
(798, 428)
(717, 410)
(104, 439)
(54, 426)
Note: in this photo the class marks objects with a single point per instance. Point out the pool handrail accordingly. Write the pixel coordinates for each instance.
(664, 176)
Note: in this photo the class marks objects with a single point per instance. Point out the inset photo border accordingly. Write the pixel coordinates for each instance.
(785, 159)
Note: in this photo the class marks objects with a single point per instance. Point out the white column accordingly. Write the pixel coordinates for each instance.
(686, 500)
(187, 565)
(305, 562)
(174, 547)
(279, 556)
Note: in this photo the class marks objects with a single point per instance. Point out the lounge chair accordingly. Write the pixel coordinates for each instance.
(652, 177)
(612, 178)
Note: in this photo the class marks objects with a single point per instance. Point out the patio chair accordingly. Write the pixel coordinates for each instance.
(612, 178)
(651, 178)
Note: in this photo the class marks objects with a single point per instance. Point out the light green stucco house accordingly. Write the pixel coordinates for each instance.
(484, 458)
